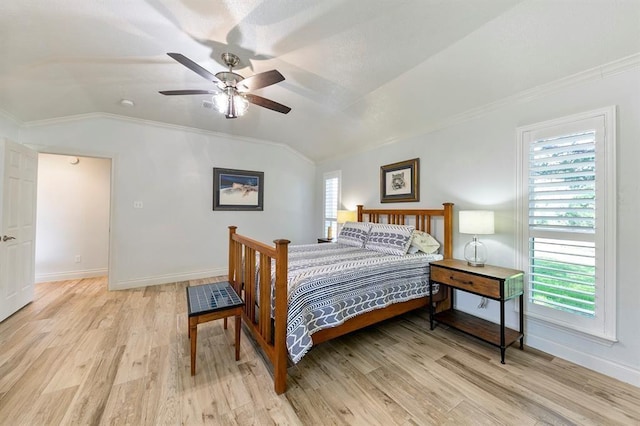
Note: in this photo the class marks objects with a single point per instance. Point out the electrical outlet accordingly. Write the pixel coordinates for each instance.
(78, 258)
(137, 204)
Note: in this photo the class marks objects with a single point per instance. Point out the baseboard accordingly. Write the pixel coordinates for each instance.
(610, 368)
(71, 275)
(166, 279)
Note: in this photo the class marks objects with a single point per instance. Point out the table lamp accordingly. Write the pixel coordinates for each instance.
(345, 216)
(476, 222)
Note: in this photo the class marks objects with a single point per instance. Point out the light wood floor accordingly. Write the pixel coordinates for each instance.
(82, 355)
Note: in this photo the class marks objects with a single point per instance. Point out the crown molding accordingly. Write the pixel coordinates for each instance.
(158, 124)
(596, 73)
(9, 117)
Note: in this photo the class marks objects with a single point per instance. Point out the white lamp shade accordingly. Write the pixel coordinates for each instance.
(476, 222)
(345, 216)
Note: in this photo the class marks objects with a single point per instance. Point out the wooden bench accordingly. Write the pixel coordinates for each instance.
(210, 302)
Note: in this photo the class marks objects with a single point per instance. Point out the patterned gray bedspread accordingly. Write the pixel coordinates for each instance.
(331, 283)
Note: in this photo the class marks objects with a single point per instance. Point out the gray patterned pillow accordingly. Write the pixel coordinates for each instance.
(392, 239)
(354, 234)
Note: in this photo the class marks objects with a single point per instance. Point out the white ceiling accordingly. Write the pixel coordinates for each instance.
(358, 73)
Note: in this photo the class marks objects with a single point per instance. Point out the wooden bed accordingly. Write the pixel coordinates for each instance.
(271, 335)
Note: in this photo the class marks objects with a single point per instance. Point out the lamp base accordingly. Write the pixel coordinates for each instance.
(475, 253)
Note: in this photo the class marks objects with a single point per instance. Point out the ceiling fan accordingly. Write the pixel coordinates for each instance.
(232, 97)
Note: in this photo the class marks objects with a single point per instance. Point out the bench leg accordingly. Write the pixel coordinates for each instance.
(193, 333)
(238, 324)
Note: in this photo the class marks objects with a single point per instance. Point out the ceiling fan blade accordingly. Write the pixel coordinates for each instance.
(187, 92)
(194, 67)
(260, 80)
(267, 103)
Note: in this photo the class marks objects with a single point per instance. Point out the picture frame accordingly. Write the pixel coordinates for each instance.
(238, 190)
(400, 182)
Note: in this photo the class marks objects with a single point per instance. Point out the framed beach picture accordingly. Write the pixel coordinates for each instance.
(399, 182)
(237, 189)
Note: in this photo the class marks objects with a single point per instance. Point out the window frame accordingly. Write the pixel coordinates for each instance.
(603, 325)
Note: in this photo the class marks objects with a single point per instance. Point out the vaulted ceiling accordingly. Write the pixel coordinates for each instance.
(359, 73)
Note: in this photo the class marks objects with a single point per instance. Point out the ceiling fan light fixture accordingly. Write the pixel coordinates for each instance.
(230, 103)
(241, 104)
(221, 101)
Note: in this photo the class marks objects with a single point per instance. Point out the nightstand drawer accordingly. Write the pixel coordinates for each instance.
(469, 282)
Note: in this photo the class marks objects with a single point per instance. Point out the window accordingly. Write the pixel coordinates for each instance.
(331, 203)
(566, 207)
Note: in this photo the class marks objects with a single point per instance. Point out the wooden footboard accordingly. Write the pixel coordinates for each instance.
(271, 336)
(242, 275)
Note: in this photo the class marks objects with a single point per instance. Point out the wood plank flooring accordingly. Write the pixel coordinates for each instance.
(80, 354)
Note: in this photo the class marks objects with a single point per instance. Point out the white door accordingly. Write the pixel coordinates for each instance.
(18, 170)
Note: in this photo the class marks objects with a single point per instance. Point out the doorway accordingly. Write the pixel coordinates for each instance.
(73, 216)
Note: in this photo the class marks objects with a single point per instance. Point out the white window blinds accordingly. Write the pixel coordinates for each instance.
(562, 193)
(562, 177)
(331, 202)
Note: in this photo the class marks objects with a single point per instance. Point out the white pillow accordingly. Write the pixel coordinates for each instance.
(391, 239)
(423, 242)
(354, 234)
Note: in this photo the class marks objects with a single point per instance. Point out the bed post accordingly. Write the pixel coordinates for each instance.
(281, 296)
(445, 304)
(448, 230)
(360, 207)
(232, 259)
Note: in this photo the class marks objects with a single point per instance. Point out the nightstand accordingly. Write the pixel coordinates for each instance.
(492, 282)
(325, 240)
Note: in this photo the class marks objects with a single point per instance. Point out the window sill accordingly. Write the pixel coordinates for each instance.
(589, 335)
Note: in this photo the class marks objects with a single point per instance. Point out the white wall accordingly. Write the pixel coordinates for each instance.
(9, 128)
(72, 217)
(473, 164)
(176, 235)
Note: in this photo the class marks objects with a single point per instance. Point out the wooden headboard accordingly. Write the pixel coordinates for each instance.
(422, 219)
